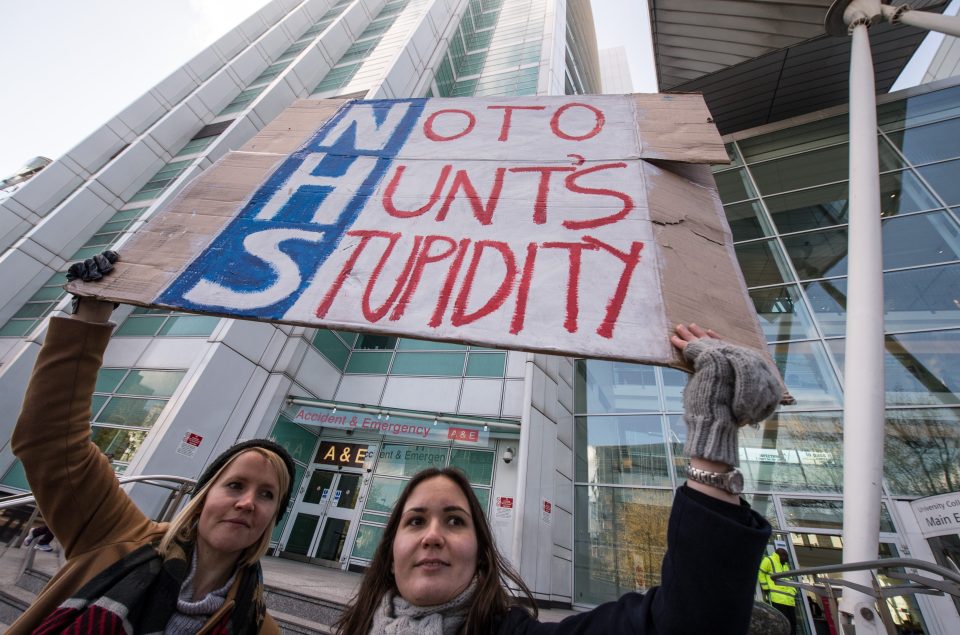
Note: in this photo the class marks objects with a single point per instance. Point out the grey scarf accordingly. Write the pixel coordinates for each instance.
(396, 616)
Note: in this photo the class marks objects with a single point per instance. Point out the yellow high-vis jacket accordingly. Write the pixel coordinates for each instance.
(778, 594)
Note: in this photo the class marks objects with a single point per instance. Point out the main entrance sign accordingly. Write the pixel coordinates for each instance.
(571, 225)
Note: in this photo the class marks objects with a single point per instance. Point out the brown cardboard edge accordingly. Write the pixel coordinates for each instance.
(683, 131)
(697, 225)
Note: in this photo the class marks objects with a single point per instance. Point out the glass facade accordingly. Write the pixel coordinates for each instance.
(46, 299)
(162, 323)
(379, 355)
(391, 462)
(360, 51)
(785, 196)
(126, 404)
(495, 50)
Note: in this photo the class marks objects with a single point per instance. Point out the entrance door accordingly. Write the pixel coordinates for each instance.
(323, 516)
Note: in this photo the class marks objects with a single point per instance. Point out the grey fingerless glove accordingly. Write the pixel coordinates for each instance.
(731, 387)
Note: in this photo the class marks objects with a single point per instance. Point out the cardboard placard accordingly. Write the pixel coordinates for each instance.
(576, 225)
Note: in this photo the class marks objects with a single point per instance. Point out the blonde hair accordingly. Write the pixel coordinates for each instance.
(183, 527)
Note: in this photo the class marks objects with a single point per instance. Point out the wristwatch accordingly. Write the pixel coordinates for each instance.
(731, 481)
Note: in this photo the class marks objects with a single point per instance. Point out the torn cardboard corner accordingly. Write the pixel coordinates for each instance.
(574, 225)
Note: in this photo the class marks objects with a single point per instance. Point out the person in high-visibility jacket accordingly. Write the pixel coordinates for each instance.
(782, 597)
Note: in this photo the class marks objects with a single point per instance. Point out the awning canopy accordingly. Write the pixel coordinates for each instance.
(757, 62)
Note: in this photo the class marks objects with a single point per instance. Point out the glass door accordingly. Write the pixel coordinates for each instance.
(323, 516)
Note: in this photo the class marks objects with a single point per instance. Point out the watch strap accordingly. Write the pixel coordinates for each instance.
(731, 482)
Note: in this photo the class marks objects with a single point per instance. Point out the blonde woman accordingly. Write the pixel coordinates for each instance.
(125, 573)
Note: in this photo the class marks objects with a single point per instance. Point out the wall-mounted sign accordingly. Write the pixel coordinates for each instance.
(395, 425)
(546, 511)
(504, 508)
(938, 515)
(343, 454)
(189, 444)
(564, 224)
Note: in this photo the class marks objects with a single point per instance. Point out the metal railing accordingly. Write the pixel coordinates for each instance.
(179, 488)
(910, 583)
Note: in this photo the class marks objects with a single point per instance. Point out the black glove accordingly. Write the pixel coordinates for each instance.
(92, 269)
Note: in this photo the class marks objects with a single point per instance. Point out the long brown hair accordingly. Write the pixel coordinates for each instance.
(490, 601)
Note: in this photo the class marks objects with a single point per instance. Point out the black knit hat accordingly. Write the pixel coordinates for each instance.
(232, 451)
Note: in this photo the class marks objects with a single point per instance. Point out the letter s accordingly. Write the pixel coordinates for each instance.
(264, 245)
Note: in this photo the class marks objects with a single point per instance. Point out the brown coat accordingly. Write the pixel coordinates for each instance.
(93, 519)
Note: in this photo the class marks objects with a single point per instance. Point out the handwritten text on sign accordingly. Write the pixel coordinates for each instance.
(519, 222)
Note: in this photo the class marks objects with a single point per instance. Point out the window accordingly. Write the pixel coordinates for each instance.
(621, 450)
(241, 101)
(161, 180)
(196, 146)
(922, 451)
(782, 313)
(351, 61)
(919, 368)
(43, 302)
(36, 308)
(126, 404)
(611, 387)
(396, 463)
(332, 347)
(376, 342)
(163, 323)
(494, 51)
(428, 364)
(620, 537)
(373, 354)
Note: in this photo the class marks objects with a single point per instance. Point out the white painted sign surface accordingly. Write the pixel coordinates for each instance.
(938, 515)
(520, 222)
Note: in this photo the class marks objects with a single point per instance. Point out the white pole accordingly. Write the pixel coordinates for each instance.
(863, 412)
(523, 463)
(948, 24)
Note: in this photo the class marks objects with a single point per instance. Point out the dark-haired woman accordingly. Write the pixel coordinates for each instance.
(437, 570)
(125, 573)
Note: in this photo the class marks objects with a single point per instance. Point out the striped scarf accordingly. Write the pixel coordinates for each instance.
(138, 594)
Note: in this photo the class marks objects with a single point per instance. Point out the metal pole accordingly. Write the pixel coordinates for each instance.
(948, 24)
(863, 412)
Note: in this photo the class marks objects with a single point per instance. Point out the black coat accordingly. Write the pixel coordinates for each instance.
(708, 578)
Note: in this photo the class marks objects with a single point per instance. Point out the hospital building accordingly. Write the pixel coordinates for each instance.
(575, 460)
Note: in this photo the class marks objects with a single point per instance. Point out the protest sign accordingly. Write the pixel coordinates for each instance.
(574, 225)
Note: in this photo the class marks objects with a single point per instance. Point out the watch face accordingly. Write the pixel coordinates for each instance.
(735, 483)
